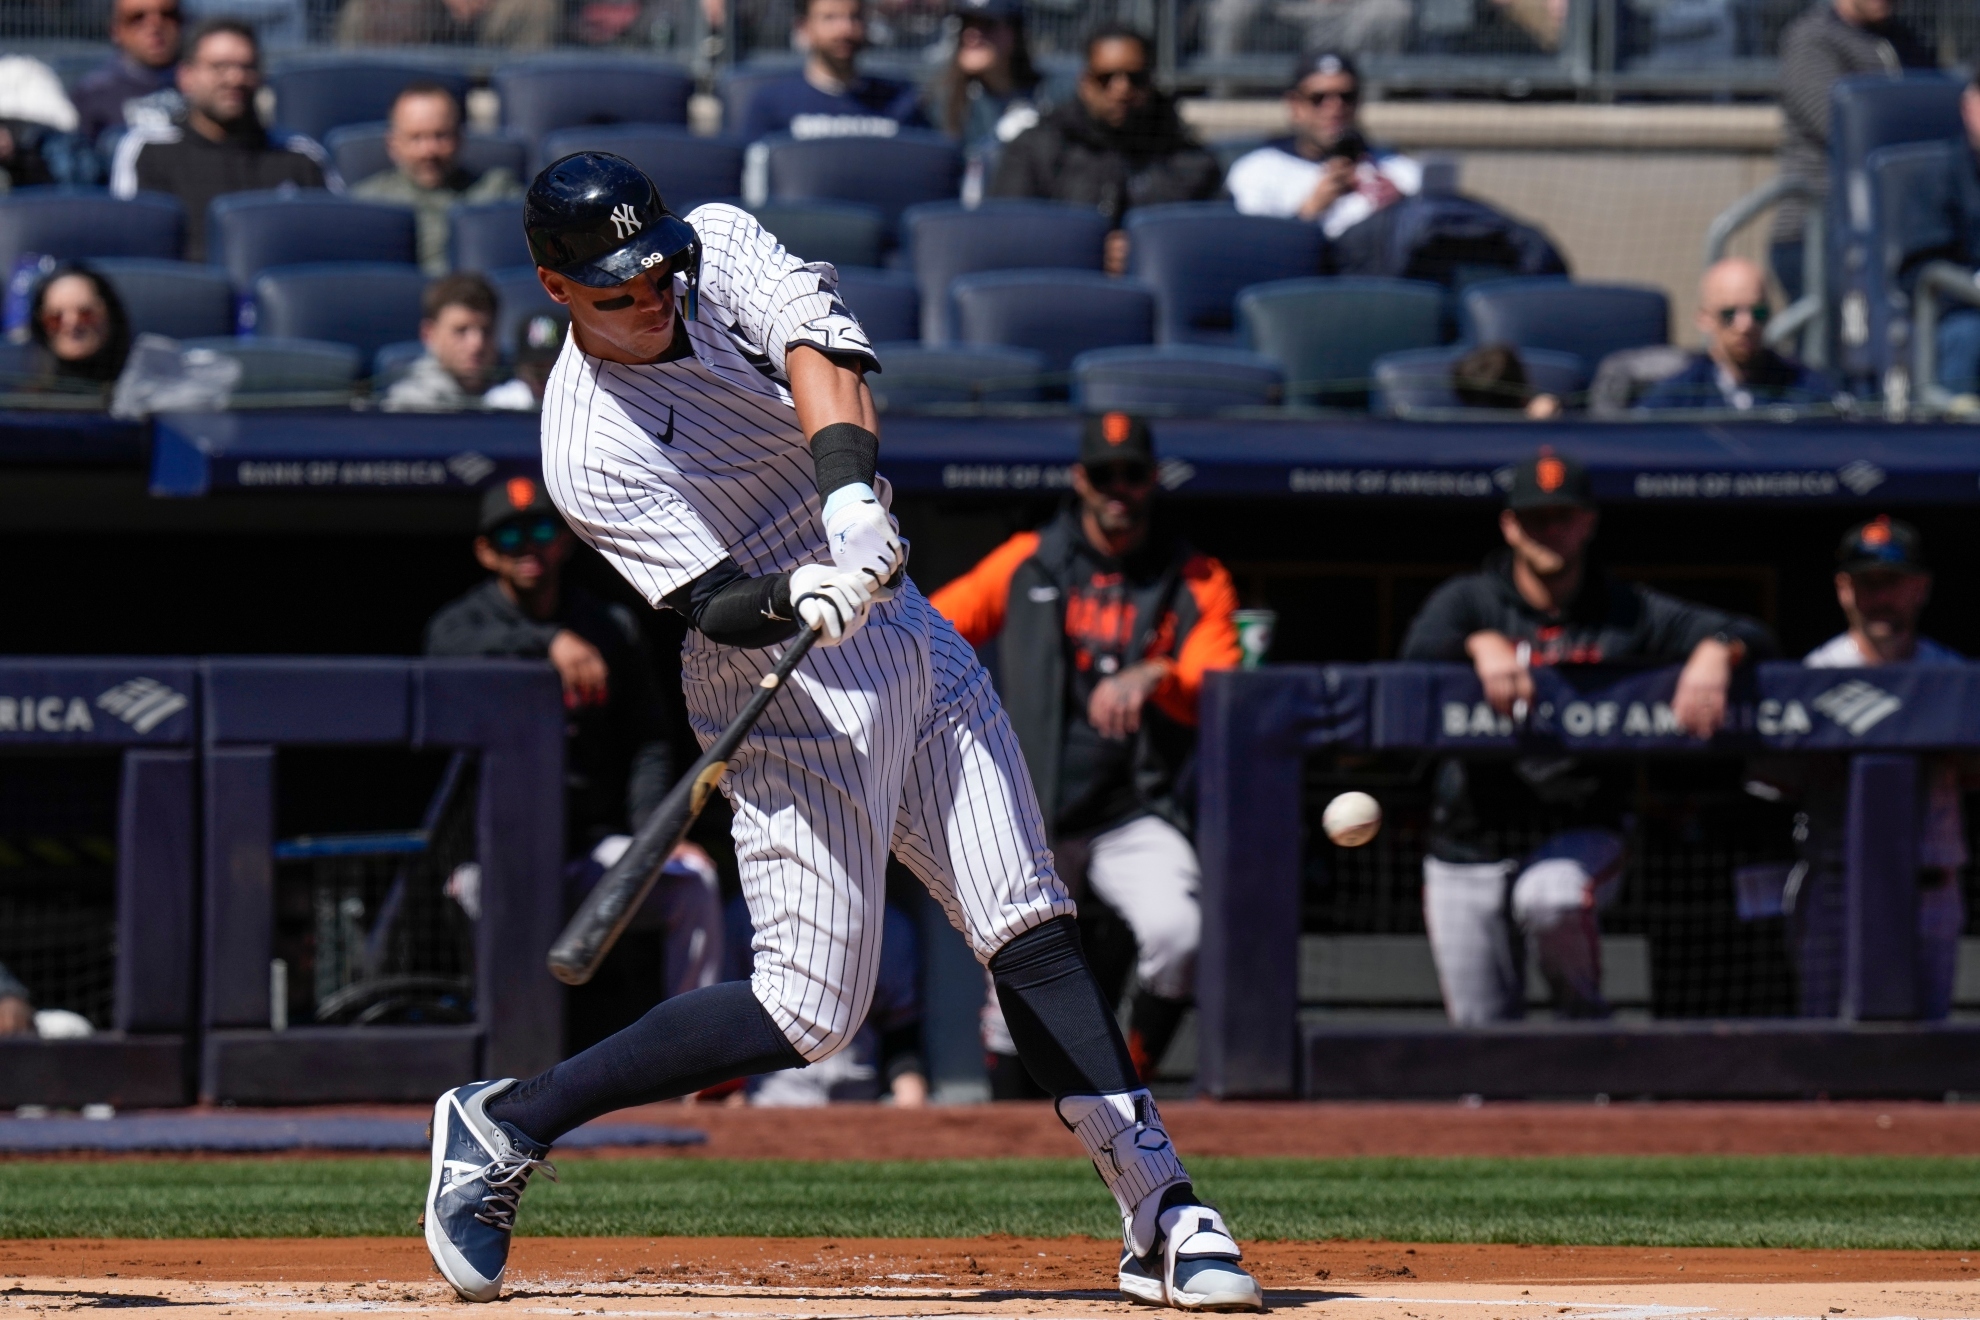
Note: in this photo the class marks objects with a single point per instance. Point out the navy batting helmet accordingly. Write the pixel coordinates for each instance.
(596, 218)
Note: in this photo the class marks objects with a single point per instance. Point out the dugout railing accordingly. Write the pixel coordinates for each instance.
(1259, 727)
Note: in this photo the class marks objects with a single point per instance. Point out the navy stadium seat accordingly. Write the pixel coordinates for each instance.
(687, 169)
(362, 304)
(358, 151)
(287, 366)
(1197, 255)
(944, 240)
(252, 231)
(487, 236)
(1327, 333)
(519, 296)
(1419, 379)
(181, 299)
(843, 233)
(1591, 320)
(890, 173)
(1175, 378)
(542, 95)
(885, 301)
(313, 98)
(1059, 313)
(915, 376)
(739, 85)
(79, 225)
(1911, 219)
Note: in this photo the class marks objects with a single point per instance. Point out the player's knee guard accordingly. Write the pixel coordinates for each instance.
(1125, 1138)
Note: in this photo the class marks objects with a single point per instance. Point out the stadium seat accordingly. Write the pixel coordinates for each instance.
(180, 299)
(738, 87)
(366, 305)
(76, 225)
(1327, 333)
(487, 236)
(1197, 255)
(944, 240)
(1172, 378)
(252, 231)
(519, 296)
(688, 169)
(1590, 320)
(1059, 313)
(885, 301)
(287, 366)
(358, 151)
(314, 97)
(1419, 379)
(1910, 219)
(915, 376)
(542, 95)
(890, 173)
(393, 361)
(843, 233)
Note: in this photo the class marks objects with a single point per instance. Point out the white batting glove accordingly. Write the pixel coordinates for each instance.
(831, 600)
(862, 535)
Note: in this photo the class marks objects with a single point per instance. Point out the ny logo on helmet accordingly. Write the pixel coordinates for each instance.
(625, 221)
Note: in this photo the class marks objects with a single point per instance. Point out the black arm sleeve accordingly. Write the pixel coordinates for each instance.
(844, 454)
(728, 606)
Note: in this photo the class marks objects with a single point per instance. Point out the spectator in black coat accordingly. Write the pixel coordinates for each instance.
(1737, 370)
(1119, 144)
(146, 33)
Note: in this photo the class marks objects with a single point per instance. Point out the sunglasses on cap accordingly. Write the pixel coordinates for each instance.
(1760, 312)
(512, 538)
(1119, 476)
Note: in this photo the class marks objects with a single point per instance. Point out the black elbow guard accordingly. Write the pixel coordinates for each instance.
(728, 606)
(843, 454)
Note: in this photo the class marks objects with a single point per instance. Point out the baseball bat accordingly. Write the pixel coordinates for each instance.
(603, 916)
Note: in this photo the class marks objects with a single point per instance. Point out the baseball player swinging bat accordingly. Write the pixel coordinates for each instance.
(606, 911)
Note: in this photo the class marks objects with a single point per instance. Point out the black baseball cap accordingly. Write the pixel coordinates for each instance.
(541, 337)
(1114, 437)
(1550, 481)
(1882, 545)
(518, 497)
(597, 219)
(1329, 62)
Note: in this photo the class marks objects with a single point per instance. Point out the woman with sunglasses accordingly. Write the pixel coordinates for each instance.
(80, 333)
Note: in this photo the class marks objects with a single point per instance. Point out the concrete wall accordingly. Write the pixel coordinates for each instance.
(1626, 191)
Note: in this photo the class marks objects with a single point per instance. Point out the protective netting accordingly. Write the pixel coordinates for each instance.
(58, 861)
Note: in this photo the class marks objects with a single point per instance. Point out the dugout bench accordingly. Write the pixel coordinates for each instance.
(1259, 726)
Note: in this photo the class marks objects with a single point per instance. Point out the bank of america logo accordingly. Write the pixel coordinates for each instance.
(1857, 706)
(142, 703)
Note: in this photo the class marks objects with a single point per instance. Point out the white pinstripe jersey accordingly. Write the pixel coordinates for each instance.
(666, 469)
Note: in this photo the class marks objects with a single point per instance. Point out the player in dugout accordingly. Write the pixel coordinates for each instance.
(1108, 625)
(1541, 601)
(618, 759)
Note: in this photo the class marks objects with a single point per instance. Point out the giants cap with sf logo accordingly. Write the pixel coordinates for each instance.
(1550, 481)
(597, 219)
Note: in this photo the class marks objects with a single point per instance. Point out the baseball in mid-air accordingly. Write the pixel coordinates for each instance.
(1352, 819)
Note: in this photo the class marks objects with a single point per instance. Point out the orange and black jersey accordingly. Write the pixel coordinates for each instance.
(1070, 616)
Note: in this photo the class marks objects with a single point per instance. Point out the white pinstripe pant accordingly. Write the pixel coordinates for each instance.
(894, 738)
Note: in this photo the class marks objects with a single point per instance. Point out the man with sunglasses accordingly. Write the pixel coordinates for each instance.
(1108, 628)
(1737, 370)
(1326, 173)
(1117, 145)
(708, 429)
(146, 34)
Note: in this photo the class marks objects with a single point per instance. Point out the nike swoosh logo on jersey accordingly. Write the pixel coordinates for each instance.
(666, 437)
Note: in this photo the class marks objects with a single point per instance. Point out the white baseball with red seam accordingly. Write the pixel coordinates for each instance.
(1352, 819)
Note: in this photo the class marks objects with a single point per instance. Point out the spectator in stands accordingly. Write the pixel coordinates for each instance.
(218, 146)
(1326, 173)
(538, 343)
(1108, 627)
(829, 97)
(140, 81)
(1119, 144)
(1882, 584)
(1832, 40)
(38, 139)
(1959, 324)
(618, 758)
(16, 1010)
(1541, 602)
(1492, 376)
(1737, 370)
(987, 94)
(424, 143)
(457, 328)
(80, 332)
(515, 24)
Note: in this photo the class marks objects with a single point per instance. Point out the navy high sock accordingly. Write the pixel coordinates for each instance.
(1062, 1025)
(687, 1043)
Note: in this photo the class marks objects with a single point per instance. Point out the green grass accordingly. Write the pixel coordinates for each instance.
(1657, 1201)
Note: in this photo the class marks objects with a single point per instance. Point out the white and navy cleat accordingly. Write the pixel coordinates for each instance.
(1193, 1266)
(480, 1169)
